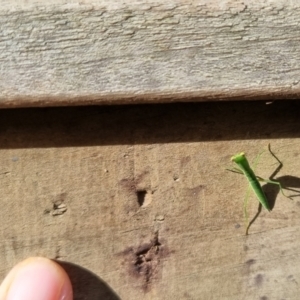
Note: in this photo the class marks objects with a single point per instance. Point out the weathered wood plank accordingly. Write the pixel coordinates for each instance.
(94, 52)
(70, 180)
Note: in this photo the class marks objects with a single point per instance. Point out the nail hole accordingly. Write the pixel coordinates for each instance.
(144, 198)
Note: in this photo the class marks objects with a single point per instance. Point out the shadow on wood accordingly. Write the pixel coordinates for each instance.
(167, 123)
(288, 183)
(87, 285)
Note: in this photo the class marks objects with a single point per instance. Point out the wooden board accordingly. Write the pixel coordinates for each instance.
(136, 203)
(110, 52)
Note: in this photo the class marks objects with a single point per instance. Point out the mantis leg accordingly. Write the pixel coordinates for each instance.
(246, 216)
(279, 162)
(245, 205)
(270, 180)
(235, 170)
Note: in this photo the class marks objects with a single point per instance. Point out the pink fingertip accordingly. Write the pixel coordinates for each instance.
(39, 278)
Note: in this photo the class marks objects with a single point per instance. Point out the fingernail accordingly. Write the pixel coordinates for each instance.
(35, 279)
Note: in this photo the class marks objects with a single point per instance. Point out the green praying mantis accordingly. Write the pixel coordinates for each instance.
(245, 169)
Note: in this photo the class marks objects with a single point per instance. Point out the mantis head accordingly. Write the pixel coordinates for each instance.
(238, 157)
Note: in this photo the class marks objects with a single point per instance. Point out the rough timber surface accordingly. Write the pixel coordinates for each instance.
(97, 52)
(135, 201)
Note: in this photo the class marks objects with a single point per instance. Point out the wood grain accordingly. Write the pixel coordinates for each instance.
(110, 52)
(136, 204)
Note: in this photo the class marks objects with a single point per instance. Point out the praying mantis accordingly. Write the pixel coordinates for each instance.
(245, 169)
